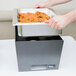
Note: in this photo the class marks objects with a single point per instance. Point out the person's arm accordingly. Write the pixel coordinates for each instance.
(71, 16)
(49, 3)
(61, 21)
(57, 2)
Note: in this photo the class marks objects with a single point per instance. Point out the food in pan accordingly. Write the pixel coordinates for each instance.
(32, 17)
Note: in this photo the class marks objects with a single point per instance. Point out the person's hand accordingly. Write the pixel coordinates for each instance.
(58, 22)
(49, 3)
(43, 5)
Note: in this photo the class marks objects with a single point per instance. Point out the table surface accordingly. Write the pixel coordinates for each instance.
(8, 59)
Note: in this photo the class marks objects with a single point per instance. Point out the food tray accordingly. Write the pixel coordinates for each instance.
(34, 29)
(15, 19)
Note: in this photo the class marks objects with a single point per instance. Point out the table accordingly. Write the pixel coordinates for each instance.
(8, 59)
